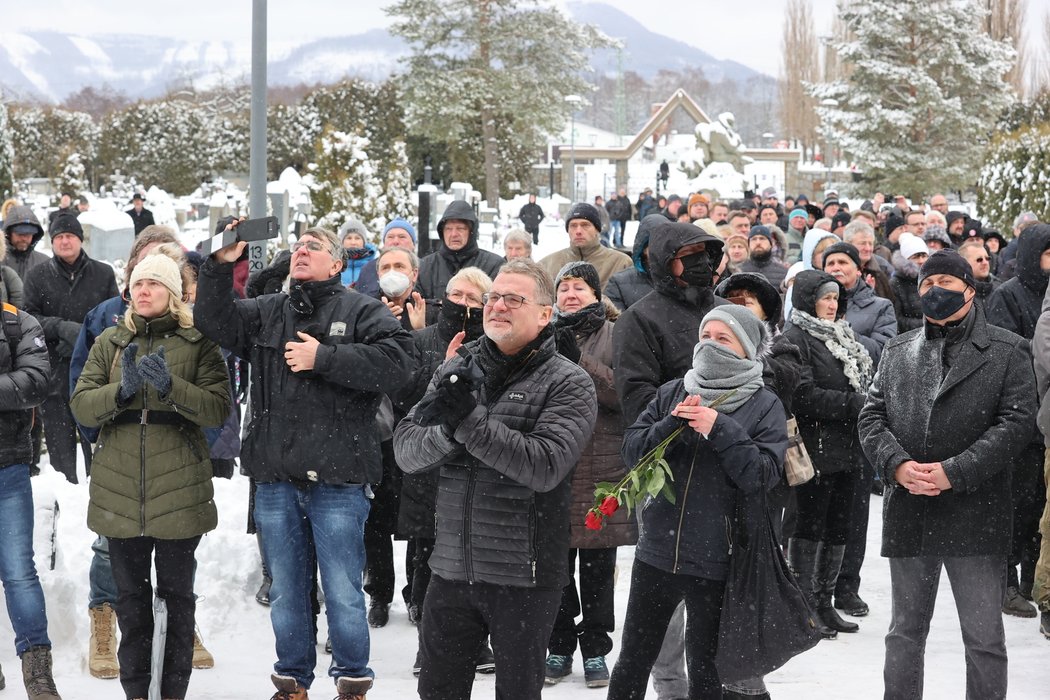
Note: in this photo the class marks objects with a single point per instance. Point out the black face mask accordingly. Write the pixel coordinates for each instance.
(697, 270)
(463, 318)
(939, 303)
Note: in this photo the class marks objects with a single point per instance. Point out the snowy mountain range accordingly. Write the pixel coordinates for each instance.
(50, 66)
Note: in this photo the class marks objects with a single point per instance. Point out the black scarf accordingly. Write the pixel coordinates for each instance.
(459, 257)
(75, 267)
(457, 317)
(582, 323)
(498, 368)
(305, 295)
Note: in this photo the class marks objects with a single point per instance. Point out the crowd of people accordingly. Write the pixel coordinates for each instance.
(471, 403)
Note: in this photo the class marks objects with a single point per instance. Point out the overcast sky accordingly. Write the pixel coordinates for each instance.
(747, 32)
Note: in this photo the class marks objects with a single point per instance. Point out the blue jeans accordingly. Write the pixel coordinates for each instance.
(101, 586)
(25, 598)
(616, 227)
(286, 515)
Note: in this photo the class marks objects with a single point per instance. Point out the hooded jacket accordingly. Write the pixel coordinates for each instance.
(10, 282)
(905, 286)
(23, 261)
(653, 340)
(809, 244)
(436, 269)
(1016, 304)
(825, 403)
(628, 286)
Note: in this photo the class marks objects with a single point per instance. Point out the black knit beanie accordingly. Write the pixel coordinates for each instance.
(947, 262)
(844, 248)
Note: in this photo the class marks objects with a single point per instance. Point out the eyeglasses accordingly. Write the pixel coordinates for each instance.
(981, 259)
(311, 245)
(513, 301)
(461, 297)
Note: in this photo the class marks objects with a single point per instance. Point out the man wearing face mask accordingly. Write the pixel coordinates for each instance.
(398, 270)
(948, 502)
(1016, 306)
(458, 229)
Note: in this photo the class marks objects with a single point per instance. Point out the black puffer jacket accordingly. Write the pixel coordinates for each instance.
(503, 501)
(653, 340)
(317, 425)
(1016, 304)
(24, 377)
(744, 452)
(628, 286)
(825, 404)
(60, 296)
(905, 286)
(436, 269)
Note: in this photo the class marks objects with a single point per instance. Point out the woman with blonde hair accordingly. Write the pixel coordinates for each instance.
(152, 384)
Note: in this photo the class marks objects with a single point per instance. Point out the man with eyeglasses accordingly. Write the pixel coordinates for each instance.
(980, 262)
(320, 356)
(505, 420)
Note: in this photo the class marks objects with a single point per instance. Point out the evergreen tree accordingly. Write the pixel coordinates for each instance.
(7, 154)
(924, 92)
(44, 138)
(343, 181)
(73, 178)
(1016, 175)
(490, 76)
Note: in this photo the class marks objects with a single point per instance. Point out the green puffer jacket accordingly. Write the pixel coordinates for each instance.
(153, 480)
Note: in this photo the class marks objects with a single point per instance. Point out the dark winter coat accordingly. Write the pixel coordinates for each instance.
(771, 268)
(871, 317)
(628, 286)
(974, 417)
(743, 453)
(653, 340)
(531, 215)
(368, 280)
(1041, 357)
(140, 219)
(905, 286)
(1016, 304)
(782, 370)
(317, 425)
(986, 287)
(153, 479)
(24, 379)
(23, 261)
(601, 459)
(60, 296)
(881, 271)
(436, 269)
(504, 497)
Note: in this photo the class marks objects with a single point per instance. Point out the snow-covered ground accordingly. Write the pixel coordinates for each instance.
(237, 630)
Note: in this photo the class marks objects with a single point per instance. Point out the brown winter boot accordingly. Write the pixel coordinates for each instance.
(36, 673)
(352, 688)
(202, 658)
(287, 688)
(102, 648)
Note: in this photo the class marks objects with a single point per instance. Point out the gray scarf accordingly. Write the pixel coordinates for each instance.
(716, 370)
(843, 345)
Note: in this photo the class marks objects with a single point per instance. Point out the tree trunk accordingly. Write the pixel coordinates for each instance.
(488, 126)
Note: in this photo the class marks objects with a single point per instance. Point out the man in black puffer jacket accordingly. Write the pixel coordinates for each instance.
(505, 420)
(653, 340)
(458, 229)
(321, 356)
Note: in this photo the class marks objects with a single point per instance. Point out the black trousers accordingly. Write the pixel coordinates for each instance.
(654, 596)
(535, 234)
(131, 571)
(823, 507)
(60, 430)
(420, 549)
(1028, 491)
(594, 600)
(456, 618)
(379, 531)
(857, 540)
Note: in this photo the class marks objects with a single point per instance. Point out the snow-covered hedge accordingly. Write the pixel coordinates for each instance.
(1016, 176)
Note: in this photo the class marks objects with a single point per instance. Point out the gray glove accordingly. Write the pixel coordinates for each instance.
(131, 378)
(155, 370)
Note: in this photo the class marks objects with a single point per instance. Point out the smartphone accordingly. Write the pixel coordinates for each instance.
(247, 230)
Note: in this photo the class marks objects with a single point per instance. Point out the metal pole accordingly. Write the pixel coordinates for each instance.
(572, 153)
(257, 162)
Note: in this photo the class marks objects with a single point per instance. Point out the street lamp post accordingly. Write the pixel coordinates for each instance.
(574, 100)
(832, 103)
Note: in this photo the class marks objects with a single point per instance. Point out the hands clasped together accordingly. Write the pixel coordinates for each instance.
(922, 479)
(700, 418)
(152, 368)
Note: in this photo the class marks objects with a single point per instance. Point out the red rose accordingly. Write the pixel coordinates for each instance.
(609, 505)
(594, 520)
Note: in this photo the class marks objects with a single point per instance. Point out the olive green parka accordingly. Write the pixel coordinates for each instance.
(153, 479)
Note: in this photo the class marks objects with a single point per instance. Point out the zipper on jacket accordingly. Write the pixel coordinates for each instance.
(532, 537)
(681, 511)
(468, 497)
(729, 534)
(142, 445)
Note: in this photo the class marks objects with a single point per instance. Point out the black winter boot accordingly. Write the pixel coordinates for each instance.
(802, 558)
(829, 561)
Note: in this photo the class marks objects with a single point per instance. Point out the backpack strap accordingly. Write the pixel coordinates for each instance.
(12, 326)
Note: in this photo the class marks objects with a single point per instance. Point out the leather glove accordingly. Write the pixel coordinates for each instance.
(565, 340)
(453, 398)
(130, 377)
(154, 370)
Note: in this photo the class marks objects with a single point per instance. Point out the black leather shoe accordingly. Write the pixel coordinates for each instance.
(378, 614)
(851, 604)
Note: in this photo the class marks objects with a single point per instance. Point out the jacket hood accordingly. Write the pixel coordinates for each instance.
(804, 292)
(665, 240)
(23, 215)
(641, 240)
(809, 244)
(464, 212)
(904, 267)
(3, 248)
(768, 296)
(1030, 247)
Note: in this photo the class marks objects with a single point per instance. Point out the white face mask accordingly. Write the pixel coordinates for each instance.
(394, 283)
